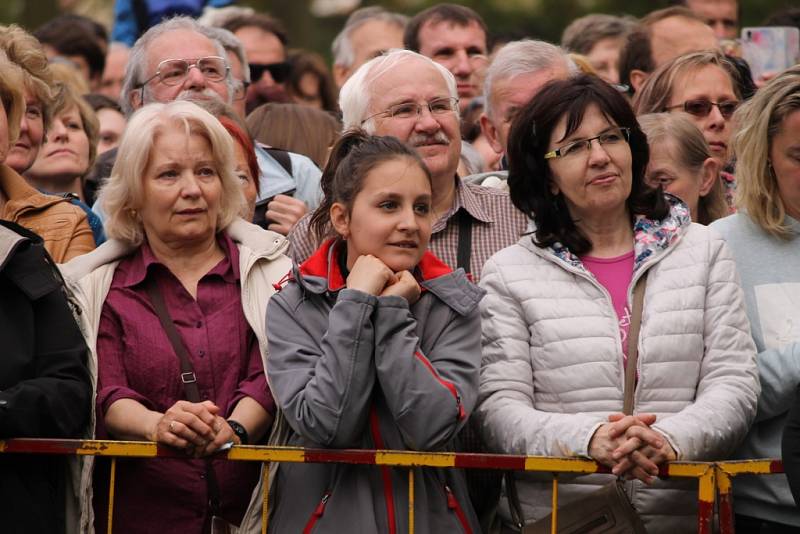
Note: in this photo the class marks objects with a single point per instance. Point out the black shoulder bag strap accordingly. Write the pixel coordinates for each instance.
(464, 240)
(188, 377)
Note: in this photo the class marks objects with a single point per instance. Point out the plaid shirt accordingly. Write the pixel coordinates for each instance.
(496, 224)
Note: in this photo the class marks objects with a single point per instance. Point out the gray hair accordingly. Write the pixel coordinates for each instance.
(523, 57)
(342, 48)
(137, 63)
(355, 96)
(583, 33)
(230, 43)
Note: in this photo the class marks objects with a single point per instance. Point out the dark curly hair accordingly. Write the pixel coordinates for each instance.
(529, 175)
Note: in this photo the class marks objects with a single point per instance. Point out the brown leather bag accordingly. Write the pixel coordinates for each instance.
(607, 510)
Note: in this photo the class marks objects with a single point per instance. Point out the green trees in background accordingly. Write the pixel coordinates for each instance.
(544, 19)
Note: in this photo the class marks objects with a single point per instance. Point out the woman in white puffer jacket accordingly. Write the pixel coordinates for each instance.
(556, 316)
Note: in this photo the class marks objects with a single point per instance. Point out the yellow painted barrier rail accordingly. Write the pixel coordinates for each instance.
(725, 471)
(707, 473)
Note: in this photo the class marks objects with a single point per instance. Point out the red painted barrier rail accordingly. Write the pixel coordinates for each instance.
(706, 472)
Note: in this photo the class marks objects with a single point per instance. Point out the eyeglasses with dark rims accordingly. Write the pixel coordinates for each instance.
(581, 147)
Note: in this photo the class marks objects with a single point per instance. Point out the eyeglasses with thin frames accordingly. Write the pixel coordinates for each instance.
(612, 136)
(701, 107)
(408, 110)
(174, 71)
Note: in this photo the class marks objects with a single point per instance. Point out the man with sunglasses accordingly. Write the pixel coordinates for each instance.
(264, 41)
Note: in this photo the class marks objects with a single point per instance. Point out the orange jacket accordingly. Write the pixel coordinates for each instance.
(63, 227)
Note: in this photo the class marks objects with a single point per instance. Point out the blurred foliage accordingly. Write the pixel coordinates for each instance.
(543, 19)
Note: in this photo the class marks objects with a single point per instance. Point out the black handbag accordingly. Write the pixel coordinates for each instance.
(607, 510)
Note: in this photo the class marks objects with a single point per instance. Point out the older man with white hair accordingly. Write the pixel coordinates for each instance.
(409, 96)
(518, 71)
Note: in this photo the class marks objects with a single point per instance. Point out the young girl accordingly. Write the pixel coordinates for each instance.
(374, 343)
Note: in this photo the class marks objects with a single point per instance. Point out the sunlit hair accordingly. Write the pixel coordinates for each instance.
(137, 63)
(530, 176)
(691, 151)
(11, 96)
(356, 94)
(759, 120)
(523, 57)
(656, 93)
(342, 47)
(25, 50)
(352, 158)
(585, 32)
(123, 194)
(296, 128)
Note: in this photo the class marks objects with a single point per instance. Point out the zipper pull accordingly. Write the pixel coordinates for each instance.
(318, 511)
(451, 499)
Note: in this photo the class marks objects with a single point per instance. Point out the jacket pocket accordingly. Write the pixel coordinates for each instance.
(455, 507)
(317, 513)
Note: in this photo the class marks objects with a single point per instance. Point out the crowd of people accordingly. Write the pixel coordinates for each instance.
(445, 242)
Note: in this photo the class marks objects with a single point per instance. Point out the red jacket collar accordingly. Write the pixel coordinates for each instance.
(323, 264)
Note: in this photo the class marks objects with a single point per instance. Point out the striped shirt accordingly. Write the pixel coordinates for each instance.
(496, 224)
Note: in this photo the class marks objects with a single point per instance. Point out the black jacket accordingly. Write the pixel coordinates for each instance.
(45, 388)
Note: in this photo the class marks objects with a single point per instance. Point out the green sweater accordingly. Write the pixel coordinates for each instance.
(770, 271)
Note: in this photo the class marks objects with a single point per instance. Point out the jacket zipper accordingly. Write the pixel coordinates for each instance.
(453, 504)
(448, 385)
(318, 511)
(386, 475)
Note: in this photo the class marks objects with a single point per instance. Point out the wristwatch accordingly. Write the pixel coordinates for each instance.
(240, 431)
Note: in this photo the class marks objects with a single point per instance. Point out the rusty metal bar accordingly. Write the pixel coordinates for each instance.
(554, 506)
(724, 489)
(265, 504)
(706, 494)
(410, 500)
(111, 483)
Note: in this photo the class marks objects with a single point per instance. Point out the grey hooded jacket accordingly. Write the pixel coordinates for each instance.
(352, 370)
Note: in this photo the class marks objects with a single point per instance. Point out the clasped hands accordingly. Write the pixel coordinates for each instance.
(370, 275)
(194, 427)
(630, 447)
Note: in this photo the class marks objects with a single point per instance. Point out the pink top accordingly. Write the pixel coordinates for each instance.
(136, 361)
(615, 275)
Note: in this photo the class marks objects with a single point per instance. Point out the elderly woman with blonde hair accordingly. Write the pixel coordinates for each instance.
(174, 312)
(764, 237)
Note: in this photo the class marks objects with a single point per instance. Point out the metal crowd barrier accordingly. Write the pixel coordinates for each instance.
(725, 471)
(706, 472)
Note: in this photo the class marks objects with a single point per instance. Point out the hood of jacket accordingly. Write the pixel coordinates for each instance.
(651, 237)
(320, 274)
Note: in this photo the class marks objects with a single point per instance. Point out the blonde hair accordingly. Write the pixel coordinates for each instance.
(656, 93)
(759, 119)
(11, 96)
(123, 192)
(25, 50)
(691, 151)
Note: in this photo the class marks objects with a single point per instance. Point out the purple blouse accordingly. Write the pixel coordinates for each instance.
(136, 361)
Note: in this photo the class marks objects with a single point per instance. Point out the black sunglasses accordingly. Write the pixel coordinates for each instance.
(701, 107)
(278, 71)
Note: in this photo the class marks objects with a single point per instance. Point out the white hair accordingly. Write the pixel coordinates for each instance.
(231, 43)
(356, 95)
(342, 47)
(137, 63)
(523, 57)
(123, 192)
